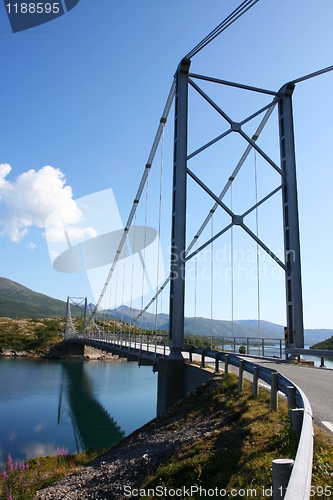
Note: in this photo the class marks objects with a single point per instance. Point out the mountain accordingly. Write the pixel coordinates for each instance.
(326, 344)
(204, 326)
(311, 336)
(200, 326)
(17, 301)
(317, 335)
(128, 315)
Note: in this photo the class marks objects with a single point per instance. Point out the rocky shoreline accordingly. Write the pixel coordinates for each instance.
(12, 353)
(56, 353)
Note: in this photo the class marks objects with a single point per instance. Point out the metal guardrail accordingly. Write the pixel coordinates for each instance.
(321, 353)
(299, 485)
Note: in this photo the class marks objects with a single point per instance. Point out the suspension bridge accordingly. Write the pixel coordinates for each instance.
(135, 251)
(242, 170)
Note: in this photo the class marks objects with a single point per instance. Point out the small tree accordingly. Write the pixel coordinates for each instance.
(242, 349)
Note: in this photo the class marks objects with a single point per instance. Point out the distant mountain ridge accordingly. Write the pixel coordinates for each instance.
(205, 326)
(18, 301)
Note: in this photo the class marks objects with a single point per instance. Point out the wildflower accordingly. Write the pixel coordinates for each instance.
(27, 467)
(10, 464)
(61, 452)
(9, 494)
(4, 475)
(38, 463)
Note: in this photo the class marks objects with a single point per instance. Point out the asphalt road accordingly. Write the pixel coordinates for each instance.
(317, 385)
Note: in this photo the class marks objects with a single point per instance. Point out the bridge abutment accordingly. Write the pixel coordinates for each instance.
(170, 386)
(73, 349)
(176, 379)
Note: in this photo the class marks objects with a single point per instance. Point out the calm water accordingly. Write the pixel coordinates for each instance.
(317, 361)
(274, 351)
(79, 405)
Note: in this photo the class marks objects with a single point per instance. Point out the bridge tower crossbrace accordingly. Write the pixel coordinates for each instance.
(180, 255)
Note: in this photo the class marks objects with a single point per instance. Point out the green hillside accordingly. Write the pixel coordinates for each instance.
(224, 328)
(17, 301)
(201, 326)
(205, 326)
(325, 344)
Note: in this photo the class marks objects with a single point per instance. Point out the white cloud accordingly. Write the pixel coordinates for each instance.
(32, 197)
(74, 233)
(37, 449)
(12, 436)
(39, 427)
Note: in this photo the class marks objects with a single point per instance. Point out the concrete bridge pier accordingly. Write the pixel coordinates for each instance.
(72, 349)
(170, 384)
(176, 379)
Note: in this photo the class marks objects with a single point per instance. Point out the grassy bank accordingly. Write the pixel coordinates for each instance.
(21, 480)
(238, 455)
(33, 336)
(37, 336)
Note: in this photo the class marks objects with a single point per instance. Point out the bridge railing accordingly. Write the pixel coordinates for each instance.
(255, 346)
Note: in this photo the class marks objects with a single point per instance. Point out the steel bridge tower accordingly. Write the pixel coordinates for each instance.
(291, 263)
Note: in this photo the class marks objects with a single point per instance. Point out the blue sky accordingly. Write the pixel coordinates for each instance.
(84, 94)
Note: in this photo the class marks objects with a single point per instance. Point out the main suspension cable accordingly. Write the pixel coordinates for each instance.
(236, 14)
(140, 189)
(222, 194)
(144, 251)
(133, 251)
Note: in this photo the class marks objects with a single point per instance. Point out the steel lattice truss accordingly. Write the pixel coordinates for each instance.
(287, 185)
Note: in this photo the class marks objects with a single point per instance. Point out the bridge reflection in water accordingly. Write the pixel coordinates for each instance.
(93, 426)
